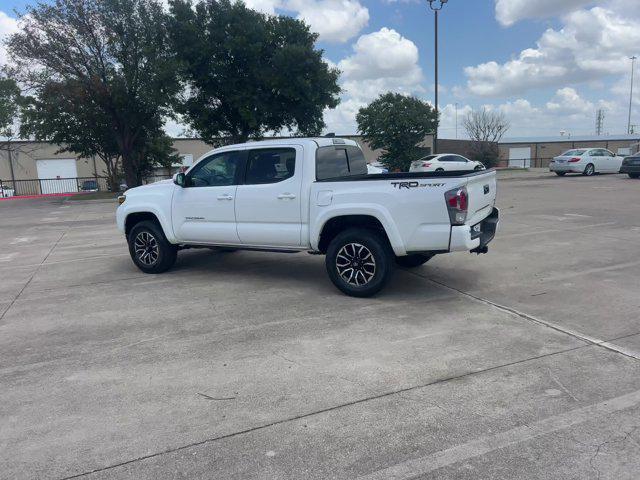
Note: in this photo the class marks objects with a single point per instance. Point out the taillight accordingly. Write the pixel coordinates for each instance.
(574, 160)
(426, 164)
(457, 205)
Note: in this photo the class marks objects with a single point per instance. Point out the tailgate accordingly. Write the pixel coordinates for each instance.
(482, 196)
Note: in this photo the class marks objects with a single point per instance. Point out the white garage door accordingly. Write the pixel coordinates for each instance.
(57, 175)
(520, 157)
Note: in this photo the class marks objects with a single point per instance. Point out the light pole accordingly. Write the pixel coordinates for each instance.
(456, 120)
(633, 63)
(433, 4)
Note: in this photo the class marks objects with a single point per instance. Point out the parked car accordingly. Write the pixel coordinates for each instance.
(631, 165)
(445, 162)
(587, 161)
(373, 169)
(89, 186)
(310, 195)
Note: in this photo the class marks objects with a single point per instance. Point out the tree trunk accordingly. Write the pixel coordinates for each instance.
(130, 171)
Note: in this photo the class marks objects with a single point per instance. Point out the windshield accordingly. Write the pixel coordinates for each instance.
(571, 153)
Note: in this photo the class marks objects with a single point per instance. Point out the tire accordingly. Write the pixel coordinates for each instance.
(589, 170)
(561, 174)
(478, 168)
(633, 175)
(348, 250)
(413, 261)
(439, 169)
(149, 248)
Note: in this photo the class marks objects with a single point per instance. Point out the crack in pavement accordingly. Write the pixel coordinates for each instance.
(606, 344)
(318, 412)
(31, 277)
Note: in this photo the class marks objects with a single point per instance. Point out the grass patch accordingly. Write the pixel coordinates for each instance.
(94, 196)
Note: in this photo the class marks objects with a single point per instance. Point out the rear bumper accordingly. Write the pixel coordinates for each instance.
(566, 167)
(465, 238)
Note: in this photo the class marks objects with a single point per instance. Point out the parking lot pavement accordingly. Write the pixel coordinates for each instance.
(251, 365)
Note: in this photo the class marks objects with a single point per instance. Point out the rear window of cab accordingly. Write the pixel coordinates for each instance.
(337, 161)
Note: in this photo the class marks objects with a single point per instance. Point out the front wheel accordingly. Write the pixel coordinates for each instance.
(561, 174)
(589, 170)
(359, 262)
(413, 261)
(149, 248)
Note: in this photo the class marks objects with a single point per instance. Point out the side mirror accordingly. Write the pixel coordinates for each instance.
(180, 179)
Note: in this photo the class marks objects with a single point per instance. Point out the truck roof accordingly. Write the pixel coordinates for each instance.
(318, 141)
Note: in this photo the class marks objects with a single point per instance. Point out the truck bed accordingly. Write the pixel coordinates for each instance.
(406, 175)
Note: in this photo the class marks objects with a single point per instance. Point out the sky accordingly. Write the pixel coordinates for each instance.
(548, 65)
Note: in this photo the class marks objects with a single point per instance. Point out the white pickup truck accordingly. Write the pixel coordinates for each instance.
(310, 194)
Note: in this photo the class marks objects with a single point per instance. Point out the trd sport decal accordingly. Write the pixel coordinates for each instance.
(401, 185)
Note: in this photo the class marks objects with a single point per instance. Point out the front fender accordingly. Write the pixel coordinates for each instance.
(164, 218)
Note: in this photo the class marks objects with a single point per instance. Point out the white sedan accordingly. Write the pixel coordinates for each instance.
(586, 161)
(444, 162)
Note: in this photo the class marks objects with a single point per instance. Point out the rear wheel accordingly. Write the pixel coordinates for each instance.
(478, 168)
(413, 261)
(589, 170)
(634, 175)
(439, 169)
(359, 262)
(149, 248)
(561, 174)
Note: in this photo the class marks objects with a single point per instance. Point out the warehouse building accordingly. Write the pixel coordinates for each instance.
(529, 152)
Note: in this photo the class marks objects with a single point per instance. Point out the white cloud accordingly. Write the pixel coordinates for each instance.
(592, 44)
(381, 61)
(264, 6)
(566, 111)
(509, 12)
(333, 20)
(8, 25)
(568, 102)
(336, 21)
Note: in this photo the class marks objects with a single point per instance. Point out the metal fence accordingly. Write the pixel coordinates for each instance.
(10, 188)
(525, 162)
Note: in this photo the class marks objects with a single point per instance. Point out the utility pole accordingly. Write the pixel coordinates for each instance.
(633, 63)
(599, 121)
(433, 5)
(456, 120)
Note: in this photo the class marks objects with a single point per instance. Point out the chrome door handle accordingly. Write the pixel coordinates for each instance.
(287, 196)
(226, 196)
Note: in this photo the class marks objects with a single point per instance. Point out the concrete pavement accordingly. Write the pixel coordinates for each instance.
(523, 363)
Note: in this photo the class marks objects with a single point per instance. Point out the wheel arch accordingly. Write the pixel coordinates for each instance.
(339, 223)
(133, 218)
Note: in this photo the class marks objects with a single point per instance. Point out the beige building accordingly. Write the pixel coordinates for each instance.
(28, 167)
(538, 151)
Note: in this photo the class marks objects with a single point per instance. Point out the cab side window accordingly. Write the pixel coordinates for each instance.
(270, 165)
(218, 170)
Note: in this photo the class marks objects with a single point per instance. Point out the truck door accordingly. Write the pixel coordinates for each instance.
(268, 203)
(204, 210)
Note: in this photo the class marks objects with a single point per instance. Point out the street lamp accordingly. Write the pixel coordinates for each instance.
(633, 64)
(433, 4)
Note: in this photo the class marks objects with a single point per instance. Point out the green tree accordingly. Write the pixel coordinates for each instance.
(113, 57)
(10, 106)
(397, 124)
(247, 73)
(61, 113)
